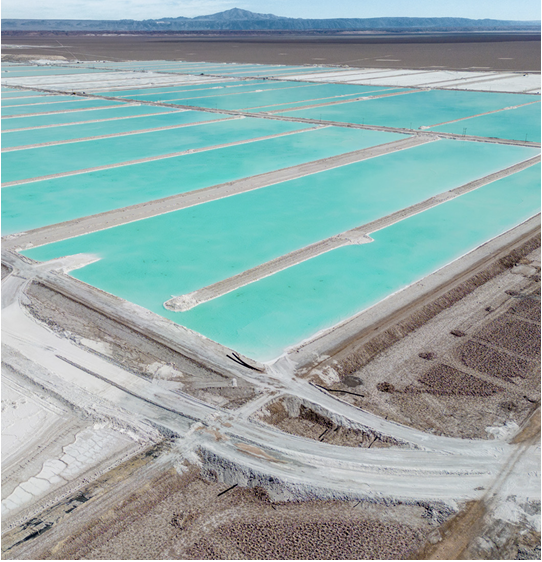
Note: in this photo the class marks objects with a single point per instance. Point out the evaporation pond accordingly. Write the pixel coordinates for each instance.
(414, 110)
(72, 105)
(82, 116)
(117, 126)
(278, 96)
(260, 320)
(35, 99)
(37, 204)
(521, 123)
(47, 160)
(213, 89)
(150, 260)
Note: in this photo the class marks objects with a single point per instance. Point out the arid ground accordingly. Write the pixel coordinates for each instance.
(455, 51)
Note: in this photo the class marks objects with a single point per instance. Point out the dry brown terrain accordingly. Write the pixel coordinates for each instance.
(454, 51)
(472, 366)
(177, 517)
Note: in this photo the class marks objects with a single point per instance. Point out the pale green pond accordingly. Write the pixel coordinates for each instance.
(145, 93)
(51, 101)
(148, 261)
(120, 112)
(262, 319)
(72, 105)
(46, 160)
(522, 123)
(278, 96)
(414, 110)
(38, 204)
(12, 95)
(169, 118)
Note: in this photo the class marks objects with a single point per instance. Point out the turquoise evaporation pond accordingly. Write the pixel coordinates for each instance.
(224, 70)
(414, 110)
(283, 106)
(37, 204)
(233, 99)
(85, 130)
(148, 261)
(521, 123)
(222, 89)
(68, 106)
(145, 92)
(121, 112)
(273, 97)
(46, 160)
(13, 94)
(37, 100)
(254, 71)
(211, 88)
(262, 319)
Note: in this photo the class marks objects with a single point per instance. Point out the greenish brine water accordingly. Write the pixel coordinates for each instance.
(221, 85)
(276, 109)
(262, 319)
(31, 100)
(414, 110)
(149, 261)
(68, 106)
(277, 96)
(521, 123)
(47, 160)
(20, 72)
(38, 204)
(119, 112)
(169, 118)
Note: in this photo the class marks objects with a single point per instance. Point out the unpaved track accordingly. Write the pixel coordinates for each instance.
(451, 472)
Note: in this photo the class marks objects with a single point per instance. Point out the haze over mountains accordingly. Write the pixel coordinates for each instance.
(243, 20)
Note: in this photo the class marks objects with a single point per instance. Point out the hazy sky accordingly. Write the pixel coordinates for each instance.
(151, 9)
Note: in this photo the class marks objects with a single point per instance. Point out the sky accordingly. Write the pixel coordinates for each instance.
(155, 9)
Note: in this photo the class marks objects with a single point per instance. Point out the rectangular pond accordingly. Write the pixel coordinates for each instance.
(121, 112)
(222, 89)
(170, 118)
(262, 319)
(415, 110)
(9, 94)
(521, 123)
(38, 204)
(144, 93)
(277, 96)
(47, 160)
(33, 100)
(72, 105)
(149, 261)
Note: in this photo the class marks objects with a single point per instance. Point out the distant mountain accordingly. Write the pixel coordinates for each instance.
(243, 20)
(236, 14)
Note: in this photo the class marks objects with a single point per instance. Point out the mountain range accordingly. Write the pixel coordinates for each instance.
(243, 20)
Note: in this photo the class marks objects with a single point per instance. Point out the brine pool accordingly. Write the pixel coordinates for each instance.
(38, 204)
(416, 109)
(149, 261)
(56, 159)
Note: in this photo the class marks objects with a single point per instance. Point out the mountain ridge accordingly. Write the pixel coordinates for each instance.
(237, 19)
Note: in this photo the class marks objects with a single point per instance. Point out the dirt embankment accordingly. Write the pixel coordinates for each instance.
(172, 516)
(459, 365)
(134, 351)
